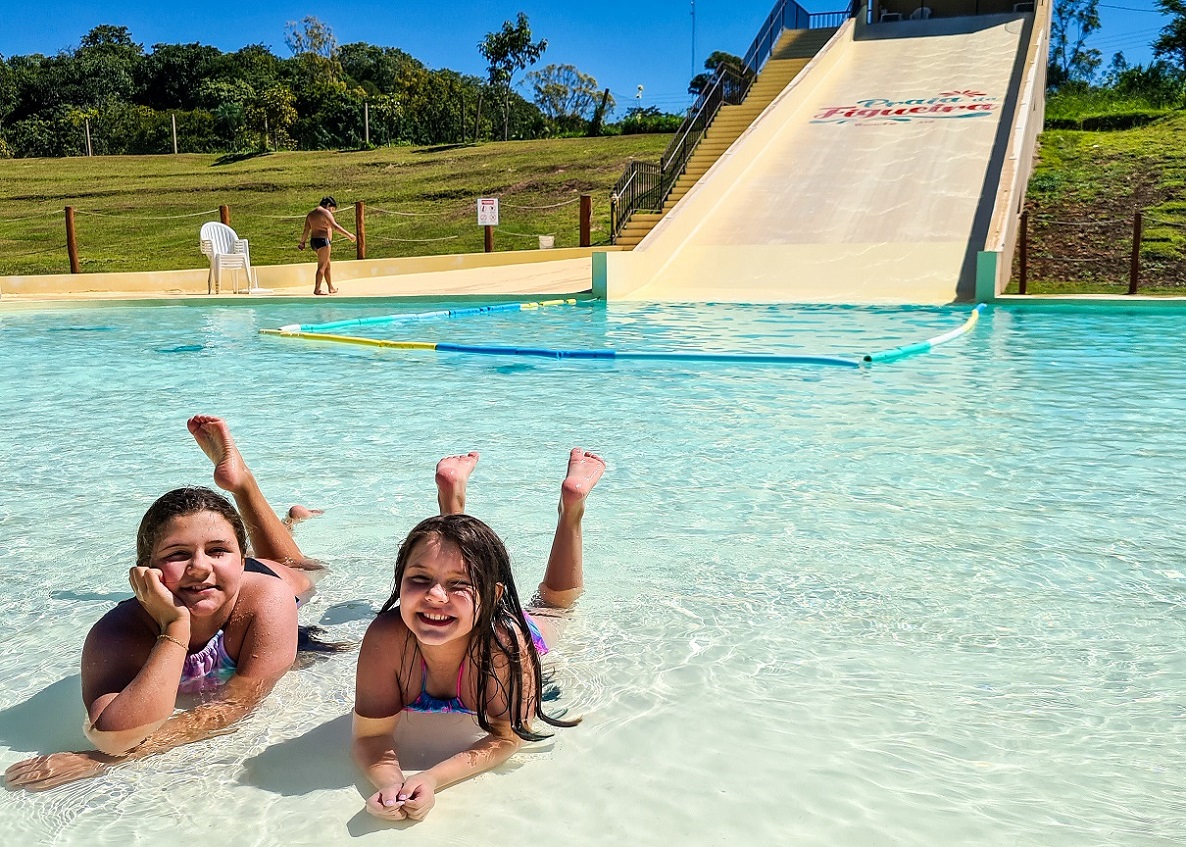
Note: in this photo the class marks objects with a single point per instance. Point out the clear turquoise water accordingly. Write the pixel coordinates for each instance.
(935, 602)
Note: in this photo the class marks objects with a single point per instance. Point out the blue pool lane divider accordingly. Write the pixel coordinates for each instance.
(307, 332)
(896, 353)
(468, 311)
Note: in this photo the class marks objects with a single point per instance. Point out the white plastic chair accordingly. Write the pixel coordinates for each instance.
(921, 13)
(227, 251)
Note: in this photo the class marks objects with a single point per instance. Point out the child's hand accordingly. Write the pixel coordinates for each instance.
(157, 600)
(45, 772)
(385, 803)
(419, 796)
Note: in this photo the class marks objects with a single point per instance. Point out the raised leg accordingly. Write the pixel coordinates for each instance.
(451, 478)
(564, 578)
(269, 536)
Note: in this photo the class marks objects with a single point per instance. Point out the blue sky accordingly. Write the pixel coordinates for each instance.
(622, 44)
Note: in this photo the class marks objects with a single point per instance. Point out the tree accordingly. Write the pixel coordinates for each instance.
(271, 112)
(103, 66)
(566, 96)
(315, 50)
(171, 75)
(715, 60)
(1171, 44)
(1070, 61)
(310, 36)
(506, 51)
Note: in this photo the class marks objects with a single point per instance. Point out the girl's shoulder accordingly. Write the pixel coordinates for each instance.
(126, 626)
(389, 628)
(265, 605)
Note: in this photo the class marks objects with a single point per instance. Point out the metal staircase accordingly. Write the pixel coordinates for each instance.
(794, 49)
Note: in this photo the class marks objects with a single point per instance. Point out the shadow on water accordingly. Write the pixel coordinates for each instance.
(48, 722)
(315, 761)
(320, 759)
(365, 823)
(348, 612)
(90, 596)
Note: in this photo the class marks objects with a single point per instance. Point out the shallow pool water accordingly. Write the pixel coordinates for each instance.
(935, 602)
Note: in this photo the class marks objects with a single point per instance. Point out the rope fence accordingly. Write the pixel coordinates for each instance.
(137, 236)
(1115, 248)
(124, 217)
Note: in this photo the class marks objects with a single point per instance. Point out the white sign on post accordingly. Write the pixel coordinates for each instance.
(488, 211)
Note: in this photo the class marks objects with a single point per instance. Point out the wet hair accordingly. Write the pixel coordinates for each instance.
(178, 503)
(499, 623)
(328, 201)
(194, 499)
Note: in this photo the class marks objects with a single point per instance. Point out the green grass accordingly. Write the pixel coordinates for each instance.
(1081, 202)
(140, 213)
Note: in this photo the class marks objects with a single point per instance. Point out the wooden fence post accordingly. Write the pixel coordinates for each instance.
(586, 220)
(360, 224)
(489, 239)
(1134, 267)
(224, 214)
(72, 242)
(1025, 252)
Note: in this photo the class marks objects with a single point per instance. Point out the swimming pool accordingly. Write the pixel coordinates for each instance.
(936, 602)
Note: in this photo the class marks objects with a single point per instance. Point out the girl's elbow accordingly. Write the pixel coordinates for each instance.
(119, 742)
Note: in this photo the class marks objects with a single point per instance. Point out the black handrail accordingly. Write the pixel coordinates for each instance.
(646, 187)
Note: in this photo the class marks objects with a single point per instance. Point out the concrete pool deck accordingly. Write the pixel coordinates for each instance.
(508, 274)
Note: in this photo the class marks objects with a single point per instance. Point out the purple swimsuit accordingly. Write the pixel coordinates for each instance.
(208, 668)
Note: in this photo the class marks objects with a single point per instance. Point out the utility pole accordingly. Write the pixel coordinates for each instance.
(693, 37)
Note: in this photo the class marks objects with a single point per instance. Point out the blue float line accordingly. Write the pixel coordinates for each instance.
(896, 353)
(542, 352)
(758, 358)
(417, 316)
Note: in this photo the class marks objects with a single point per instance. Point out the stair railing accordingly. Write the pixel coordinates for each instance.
(645, 187)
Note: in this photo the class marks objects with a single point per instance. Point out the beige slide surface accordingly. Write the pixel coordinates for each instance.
(867, 181)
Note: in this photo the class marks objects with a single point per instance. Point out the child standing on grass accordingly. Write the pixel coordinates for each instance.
(453, 637)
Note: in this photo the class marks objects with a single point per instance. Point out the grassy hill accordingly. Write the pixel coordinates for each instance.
(1081, 201)
(136, 213)
(143, 213)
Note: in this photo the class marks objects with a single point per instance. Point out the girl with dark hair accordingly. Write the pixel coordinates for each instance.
(205, 617)
(453, 637)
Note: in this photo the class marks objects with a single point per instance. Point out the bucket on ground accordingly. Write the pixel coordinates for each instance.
(546, 242)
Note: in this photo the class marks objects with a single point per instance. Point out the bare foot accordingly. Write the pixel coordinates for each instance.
(214, 437)
(333, 290)
(451, 478)
(298, 513)
(320, 293)
(584, 469)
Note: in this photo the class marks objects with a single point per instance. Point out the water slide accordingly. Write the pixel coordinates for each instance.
(878, 175)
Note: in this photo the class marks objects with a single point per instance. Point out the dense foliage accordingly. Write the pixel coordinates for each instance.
(116, 96)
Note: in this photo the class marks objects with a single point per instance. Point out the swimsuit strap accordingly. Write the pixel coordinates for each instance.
(424, 679)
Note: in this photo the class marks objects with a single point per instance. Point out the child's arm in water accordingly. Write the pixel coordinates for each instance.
(125, 715)
(418, 793)
(114, 670)
(378, 703)
(378, 694)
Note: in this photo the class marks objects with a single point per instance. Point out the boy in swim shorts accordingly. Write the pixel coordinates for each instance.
(318, 233)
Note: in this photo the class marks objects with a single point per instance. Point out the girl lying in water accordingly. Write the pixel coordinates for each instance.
(205, 616)
(453, 638)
